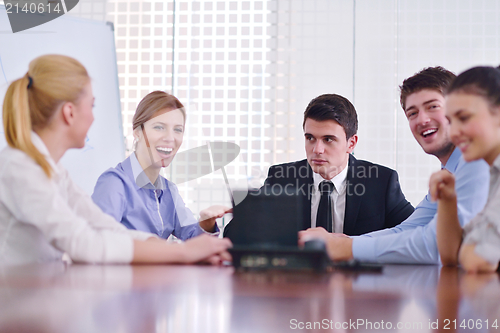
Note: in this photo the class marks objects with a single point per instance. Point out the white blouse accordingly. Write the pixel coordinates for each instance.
(41, 218)
(484, 229)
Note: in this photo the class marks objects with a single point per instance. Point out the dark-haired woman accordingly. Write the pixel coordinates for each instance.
(473, 108)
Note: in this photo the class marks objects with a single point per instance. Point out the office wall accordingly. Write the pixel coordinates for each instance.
(395, 39)
(363, 50)
(92, 43)
(247, 69)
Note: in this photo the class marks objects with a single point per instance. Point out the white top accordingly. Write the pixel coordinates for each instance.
(484, 229)
(41, 218)
(338, 199)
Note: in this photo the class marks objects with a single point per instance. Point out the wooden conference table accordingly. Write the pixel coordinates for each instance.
(91, 298)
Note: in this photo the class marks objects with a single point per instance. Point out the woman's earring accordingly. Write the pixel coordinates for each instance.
(134, 143)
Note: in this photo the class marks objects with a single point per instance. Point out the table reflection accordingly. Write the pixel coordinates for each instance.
(87, 298)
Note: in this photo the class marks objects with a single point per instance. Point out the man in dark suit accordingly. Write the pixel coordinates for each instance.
(373, 197)
(339, 192)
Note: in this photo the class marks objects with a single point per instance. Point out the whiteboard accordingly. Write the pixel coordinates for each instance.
(92, 43)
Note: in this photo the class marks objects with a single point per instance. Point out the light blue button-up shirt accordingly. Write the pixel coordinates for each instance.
(414, 240)
(126, 193)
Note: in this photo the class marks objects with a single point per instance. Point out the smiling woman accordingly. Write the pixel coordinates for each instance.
(473, 109)
(158, 130)
(135, 193)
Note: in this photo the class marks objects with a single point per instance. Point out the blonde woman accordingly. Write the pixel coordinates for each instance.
(42, 212)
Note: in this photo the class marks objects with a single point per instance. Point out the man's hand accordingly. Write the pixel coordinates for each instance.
(338, 246)
(313, 233)
(209, 215)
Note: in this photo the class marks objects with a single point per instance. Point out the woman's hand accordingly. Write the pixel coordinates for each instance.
(207, 249)
(472, 262)
(210, 214)
(448, 228)
(200, 249)
(442, 186)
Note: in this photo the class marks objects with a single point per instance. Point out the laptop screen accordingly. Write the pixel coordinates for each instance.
(265, 219)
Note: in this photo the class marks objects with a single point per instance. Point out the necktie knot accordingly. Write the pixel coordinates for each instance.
(326, 187)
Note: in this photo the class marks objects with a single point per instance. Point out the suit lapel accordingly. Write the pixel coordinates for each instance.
(306, 182)
(352, 201)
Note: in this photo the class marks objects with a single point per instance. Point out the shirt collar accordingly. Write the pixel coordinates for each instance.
(496, 164)
(140, 177)
(338, 181)
(452, 163)
(42, 148)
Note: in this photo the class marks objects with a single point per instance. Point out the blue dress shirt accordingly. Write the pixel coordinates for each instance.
(414, 240)
(126, 193)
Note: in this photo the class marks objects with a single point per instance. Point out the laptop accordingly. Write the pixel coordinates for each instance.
(265, 219)
(264, 233)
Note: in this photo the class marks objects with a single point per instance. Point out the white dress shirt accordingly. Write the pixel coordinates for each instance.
(42, 218)
(337, 198)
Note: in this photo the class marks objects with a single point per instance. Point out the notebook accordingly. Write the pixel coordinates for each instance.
(265, 219)
(264, 233)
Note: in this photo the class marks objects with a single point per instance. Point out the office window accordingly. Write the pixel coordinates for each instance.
(246, 70)
(395, 39)
(213, 56)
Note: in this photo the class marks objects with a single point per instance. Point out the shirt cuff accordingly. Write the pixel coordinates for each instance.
(119, 248)
(215, 233)
(363, 248)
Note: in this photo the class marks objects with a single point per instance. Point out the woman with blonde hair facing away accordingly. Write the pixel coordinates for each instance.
(473, 108)
(42, 212)
(135, 193)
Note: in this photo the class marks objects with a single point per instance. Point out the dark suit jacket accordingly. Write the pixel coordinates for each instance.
(374, 199)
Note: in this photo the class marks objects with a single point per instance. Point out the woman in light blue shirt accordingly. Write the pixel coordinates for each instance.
(135, 193)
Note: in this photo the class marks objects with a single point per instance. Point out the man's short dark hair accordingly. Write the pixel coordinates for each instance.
(433, 78)
(333, 107)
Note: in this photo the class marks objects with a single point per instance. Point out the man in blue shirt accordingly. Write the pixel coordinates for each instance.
(414, 240)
